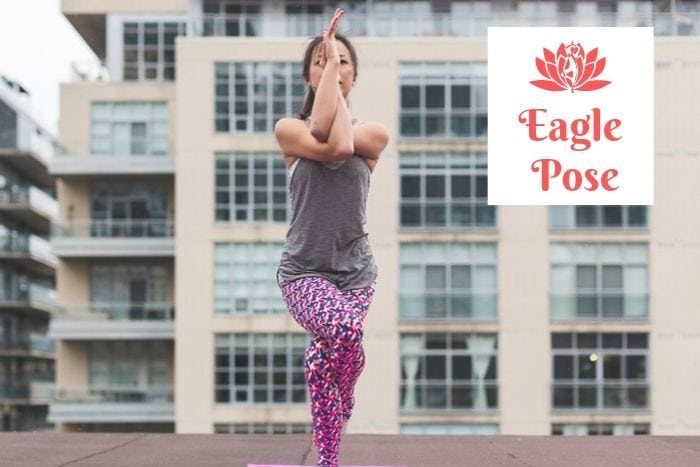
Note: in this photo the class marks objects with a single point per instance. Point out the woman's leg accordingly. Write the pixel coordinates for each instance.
(360, 300)
(320, 308)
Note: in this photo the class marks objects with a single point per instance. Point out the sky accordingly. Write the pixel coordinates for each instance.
(38, 45)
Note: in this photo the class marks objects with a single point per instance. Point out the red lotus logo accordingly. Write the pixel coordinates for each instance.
(571, 69)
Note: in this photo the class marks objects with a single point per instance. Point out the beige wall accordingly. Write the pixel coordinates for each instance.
(675, 246)
(70, 7)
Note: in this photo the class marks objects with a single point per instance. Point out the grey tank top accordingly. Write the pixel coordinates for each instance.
(326, 236)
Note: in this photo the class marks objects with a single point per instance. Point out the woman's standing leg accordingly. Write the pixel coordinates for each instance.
(359, 300)
(320, 308)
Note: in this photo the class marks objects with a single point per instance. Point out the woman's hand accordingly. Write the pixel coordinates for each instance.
(328, 43)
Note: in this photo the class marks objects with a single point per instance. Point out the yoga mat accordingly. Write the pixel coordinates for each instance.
(287, 465)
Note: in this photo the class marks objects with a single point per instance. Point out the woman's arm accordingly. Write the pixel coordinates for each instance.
(324, 110)
(369, 139)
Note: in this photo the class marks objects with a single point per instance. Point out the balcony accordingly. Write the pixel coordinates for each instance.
(111, 404)
(114, 238)
(429, 24)
(117, 320)
(30, 252)
(30, 205)
(33, 392)
(32, 344)
(76, 166)
(29, 149)
(35, 297)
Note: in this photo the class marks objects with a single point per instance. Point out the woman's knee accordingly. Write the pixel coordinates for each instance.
(350, 331)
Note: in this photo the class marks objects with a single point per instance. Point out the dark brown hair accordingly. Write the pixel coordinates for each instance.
(308, 56)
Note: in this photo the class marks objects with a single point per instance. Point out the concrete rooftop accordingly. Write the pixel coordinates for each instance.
(152, 450)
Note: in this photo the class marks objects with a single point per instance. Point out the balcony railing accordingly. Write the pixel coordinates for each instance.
(25, 390)
(35, 293)
(118, 311)
(36, 342)
(31, 244)
(26, 138)
(112, 394)
(115, 229)
(381, 24)
(33, 196)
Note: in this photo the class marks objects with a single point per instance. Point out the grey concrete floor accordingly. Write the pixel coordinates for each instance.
(173, 450)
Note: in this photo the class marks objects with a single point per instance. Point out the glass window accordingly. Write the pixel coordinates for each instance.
(443, 100)
(448, 371)
(149, 49)
(599, 281)
(601, 371)
(441, 281)
(250, 187)
(259, 368)
(598, 217)
(245, 278)
(445, 191)
(252, 96)
(129, 129)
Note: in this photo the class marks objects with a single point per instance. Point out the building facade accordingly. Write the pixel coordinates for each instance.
(28, 207)
(487, 320)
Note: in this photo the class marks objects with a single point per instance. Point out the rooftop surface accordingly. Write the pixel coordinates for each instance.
(151, 449)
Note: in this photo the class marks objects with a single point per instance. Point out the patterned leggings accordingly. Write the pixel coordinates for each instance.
(335, 358)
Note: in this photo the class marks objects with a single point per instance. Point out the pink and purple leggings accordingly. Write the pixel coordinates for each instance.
(335, 358)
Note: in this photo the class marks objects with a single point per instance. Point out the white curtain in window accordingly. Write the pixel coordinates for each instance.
(481, 347)
(410, 350)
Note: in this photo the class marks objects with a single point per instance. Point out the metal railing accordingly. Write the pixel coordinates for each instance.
(382, 24)
(33, 293)
(118, 311)
(32, 244)
(108, 228)
(112, 394)
(31, 342)
(31, 195)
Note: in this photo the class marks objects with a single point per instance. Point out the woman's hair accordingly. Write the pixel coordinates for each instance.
(308, 57)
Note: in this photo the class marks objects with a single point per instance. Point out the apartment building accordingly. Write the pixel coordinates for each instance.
(487, 320)
(27, 266)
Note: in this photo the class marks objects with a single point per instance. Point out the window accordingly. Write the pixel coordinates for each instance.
(448, 429)
(598, 217)
(250, 187)
(442, 281)
(129, 209)
(252, 96)
(149, 49)
(448, 371)
(135, 365)
(245, 278)
(129, 129)
(262, 428)
(260, 368)
(584, 429)
(131, 291)
(599, 281)
(445, 190)
(598, 371)
(305, 17)
(231, 17)
(443, 100)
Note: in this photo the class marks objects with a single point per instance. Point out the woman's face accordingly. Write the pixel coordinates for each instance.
(346, 70)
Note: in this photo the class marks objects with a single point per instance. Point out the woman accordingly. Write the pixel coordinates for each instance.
(327, 272)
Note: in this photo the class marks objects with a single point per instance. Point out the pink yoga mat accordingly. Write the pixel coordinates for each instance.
(286, 465)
